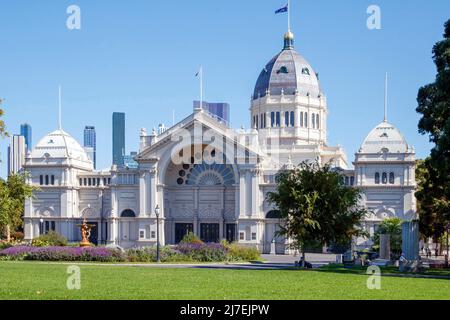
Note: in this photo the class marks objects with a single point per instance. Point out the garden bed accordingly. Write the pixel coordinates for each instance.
(187, 252)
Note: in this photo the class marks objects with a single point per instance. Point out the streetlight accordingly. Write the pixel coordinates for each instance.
(446, 254)
(41, 226)
(158, 257)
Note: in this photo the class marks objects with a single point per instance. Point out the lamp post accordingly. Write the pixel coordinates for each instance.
(158, 257)
(41, 226)
(446, 253)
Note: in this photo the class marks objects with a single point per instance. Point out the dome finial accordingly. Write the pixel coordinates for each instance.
(288, 40)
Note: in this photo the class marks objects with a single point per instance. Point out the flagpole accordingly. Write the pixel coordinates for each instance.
(385, 97)
(201, 87)
(289, 15)
(59, 108)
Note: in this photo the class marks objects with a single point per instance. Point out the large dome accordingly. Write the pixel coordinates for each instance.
(384, 138)
(287, 72)
(60, 144)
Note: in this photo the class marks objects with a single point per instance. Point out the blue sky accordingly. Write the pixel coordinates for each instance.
(140, 57)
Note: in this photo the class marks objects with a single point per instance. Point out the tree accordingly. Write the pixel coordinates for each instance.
(392, 227)
(316, 206)
(13, 193)
(434, 106)
(431, 222)
(3, 132)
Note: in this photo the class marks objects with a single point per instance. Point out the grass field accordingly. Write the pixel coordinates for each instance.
(31, 280)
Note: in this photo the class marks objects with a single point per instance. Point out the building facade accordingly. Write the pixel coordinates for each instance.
(118, 138)
(212, 180)
(27, 133)
(16, 154)
(219, 109)
(90, 141)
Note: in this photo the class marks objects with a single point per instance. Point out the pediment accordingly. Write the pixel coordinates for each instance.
(191, 124)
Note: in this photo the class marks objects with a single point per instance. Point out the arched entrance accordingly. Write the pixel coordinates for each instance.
(273, 243)
(199, 197)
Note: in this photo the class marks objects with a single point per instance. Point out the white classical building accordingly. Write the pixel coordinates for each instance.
(212, 180)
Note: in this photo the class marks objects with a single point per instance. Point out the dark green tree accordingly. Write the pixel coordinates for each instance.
(3, 132)
(434, 173)
(316, 206)
(13, 193)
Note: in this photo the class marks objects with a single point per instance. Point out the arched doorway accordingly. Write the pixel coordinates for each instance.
(128, 227)
(199, 197)
(273, 243)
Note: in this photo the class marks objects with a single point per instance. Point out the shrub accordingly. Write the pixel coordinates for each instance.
(201, 252)
(50, 239)
(238, 252)
(191, 238)
(5, 245)
(167, 254)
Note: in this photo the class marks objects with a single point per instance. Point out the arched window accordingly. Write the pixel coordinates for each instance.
(352, 181)
(52, 180)
(317, 121)
(278, 121)
(347, 181)
(306, 119)
(128, 214)
(313, 120)
(273, 214)
(286, 118)
(46, 180)
(377, 178)
(301, 119)
(292, 119)
(41, 179)
(272, 119)
(385, 178)
(391, 178)
(262, 121)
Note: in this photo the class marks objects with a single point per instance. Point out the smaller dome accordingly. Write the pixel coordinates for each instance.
(385, 138)
(60, 144)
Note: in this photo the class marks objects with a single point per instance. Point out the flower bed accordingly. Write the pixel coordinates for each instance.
(94, 254)
(185, 252)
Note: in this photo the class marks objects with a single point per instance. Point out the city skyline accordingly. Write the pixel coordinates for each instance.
(90, 141)
(142, 84)
(118, 138)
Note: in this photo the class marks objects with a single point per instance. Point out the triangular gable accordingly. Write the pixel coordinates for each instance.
(188, 123)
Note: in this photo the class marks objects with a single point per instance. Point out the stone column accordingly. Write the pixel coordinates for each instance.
(385, 247)
(242, 193)
(143, 194)
(255, 192)
(410, 240)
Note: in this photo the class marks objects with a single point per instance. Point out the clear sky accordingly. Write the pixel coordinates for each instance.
(140, 57)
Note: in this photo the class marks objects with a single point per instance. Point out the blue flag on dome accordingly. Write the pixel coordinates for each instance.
(283, 10)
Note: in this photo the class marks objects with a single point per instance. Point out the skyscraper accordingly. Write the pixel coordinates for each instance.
(220, 109)
(16, 154)
(90, 142)
(25, 130)
(118, 138)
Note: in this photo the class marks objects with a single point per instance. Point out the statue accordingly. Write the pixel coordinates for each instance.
(85, 233)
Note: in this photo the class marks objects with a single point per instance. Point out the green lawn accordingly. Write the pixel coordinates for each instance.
(31, 280)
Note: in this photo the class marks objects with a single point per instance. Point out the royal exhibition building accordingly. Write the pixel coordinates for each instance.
(201, 176)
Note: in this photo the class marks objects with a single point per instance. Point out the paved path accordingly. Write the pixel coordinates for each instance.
(271, 262)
